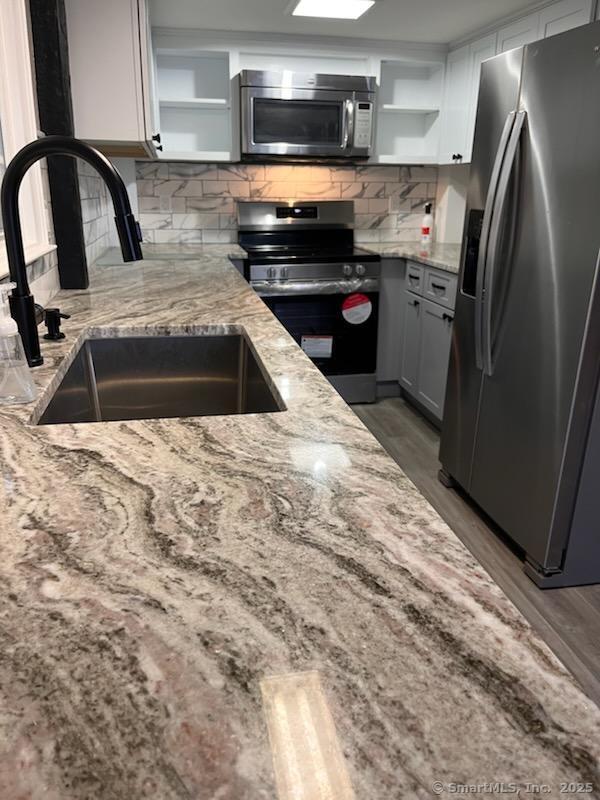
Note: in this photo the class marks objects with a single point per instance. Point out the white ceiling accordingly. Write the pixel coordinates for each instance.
(435, 21)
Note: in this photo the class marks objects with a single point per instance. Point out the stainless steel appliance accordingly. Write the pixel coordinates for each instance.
(521, 431)
(303, 263)
(296, 114)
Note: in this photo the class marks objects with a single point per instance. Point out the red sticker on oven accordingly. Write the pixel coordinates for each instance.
(356, 308)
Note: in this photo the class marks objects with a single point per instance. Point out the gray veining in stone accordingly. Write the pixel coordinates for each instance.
(154, 572)
(441, 256)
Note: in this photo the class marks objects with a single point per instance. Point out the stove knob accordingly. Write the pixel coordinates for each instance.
(347, 270)
(360, 270)
(283, 273)
(271, 273)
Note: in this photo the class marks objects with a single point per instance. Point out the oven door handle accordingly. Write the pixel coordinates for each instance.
(304, 288)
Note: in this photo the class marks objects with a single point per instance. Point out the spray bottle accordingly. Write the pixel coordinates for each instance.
(16, 383)
(427, 226)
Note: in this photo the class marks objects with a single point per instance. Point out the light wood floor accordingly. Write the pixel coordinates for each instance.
(567, 619)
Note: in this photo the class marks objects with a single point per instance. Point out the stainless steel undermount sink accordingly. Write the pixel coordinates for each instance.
(150, 377)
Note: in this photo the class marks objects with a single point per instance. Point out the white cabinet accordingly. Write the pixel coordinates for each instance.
(478, 52)
(518, 33)
(453, 138)
(391, 319)
(111, 75)
(563, 16)
(409, 360)
(197, 112)
(463, 68)
(434, 356)
(426, 336)
(409, 103)
(555, 18)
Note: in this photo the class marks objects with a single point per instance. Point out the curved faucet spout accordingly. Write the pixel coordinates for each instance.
(21, 301)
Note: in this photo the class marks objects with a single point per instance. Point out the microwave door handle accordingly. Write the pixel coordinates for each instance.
(485, 235)
(494, 240)
(350, 123)
(346, 125)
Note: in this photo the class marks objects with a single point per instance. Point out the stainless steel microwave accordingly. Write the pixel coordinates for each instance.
(297, 114)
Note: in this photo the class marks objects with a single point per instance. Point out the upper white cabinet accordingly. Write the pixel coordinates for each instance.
(518, 33)
(460, 99)
(195, 103)
(563, 16)
(409, 105)
(463, 68)
(555, 18)
(453, 139)
(112, 76)
(479, 51)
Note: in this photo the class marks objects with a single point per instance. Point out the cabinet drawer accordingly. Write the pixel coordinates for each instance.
(414, 277)
(440, 288)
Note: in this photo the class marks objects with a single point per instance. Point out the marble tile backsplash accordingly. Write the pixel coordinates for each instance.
(196, 203)
(96, 211)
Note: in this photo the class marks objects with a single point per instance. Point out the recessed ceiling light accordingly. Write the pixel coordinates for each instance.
(334, 9)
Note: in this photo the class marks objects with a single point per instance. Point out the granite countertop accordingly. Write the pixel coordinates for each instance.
(442, 256)
(157, 576)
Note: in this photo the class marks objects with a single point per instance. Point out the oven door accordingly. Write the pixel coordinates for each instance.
(337, 331)
(300, 122)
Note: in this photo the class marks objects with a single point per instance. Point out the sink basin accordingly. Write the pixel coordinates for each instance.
(149, 377)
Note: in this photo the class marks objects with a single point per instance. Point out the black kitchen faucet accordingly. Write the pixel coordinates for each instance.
(22, 305)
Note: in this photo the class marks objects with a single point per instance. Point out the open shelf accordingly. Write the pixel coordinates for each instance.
(195, 130)
(195, 105)
(410, 97)
(406, 159)
(389, 108)
(217, 103)
(210, 156)
(406, 138)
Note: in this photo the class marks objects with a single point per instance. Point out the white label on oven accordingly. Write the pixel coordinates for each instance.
(317, 346)
(356, 309)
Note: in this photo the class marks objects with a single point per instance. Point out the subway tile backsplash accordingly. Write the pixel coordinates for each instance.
(196, 203)
(96, 211)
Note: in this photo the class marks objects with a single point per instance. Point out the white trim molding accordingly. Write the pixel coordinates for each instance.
(18, 119)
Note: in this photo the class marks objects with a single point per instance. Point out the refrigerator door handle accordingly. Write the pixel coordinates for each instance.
(485, 235)
(494, 239)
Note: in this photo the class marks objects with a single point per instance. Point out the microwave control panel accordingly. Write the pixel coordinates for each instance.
(363, 124)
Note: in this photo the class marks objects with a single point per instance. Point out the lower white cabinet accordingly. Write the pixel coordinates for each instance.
(425, 346)
(411, 336)
(434, 354)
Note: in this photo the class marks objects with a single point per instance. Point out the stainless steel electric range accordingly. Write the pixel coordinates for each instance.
(302, 261)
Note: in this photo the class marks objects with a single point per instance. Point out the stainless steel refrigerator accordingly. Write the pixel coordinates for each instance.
(521, 431)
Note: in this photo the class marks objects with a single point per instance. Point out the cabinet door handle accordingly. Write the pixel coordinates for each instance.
(156, 138)
(414, 303)
(447, 317)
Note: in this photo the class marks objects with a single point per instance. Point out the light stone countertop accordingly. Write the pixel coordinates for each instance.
(155, 572)
(442, 256)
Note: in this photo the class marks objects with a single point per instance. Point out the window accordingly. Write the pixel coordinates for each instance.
(18, 126)
(2, 168)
